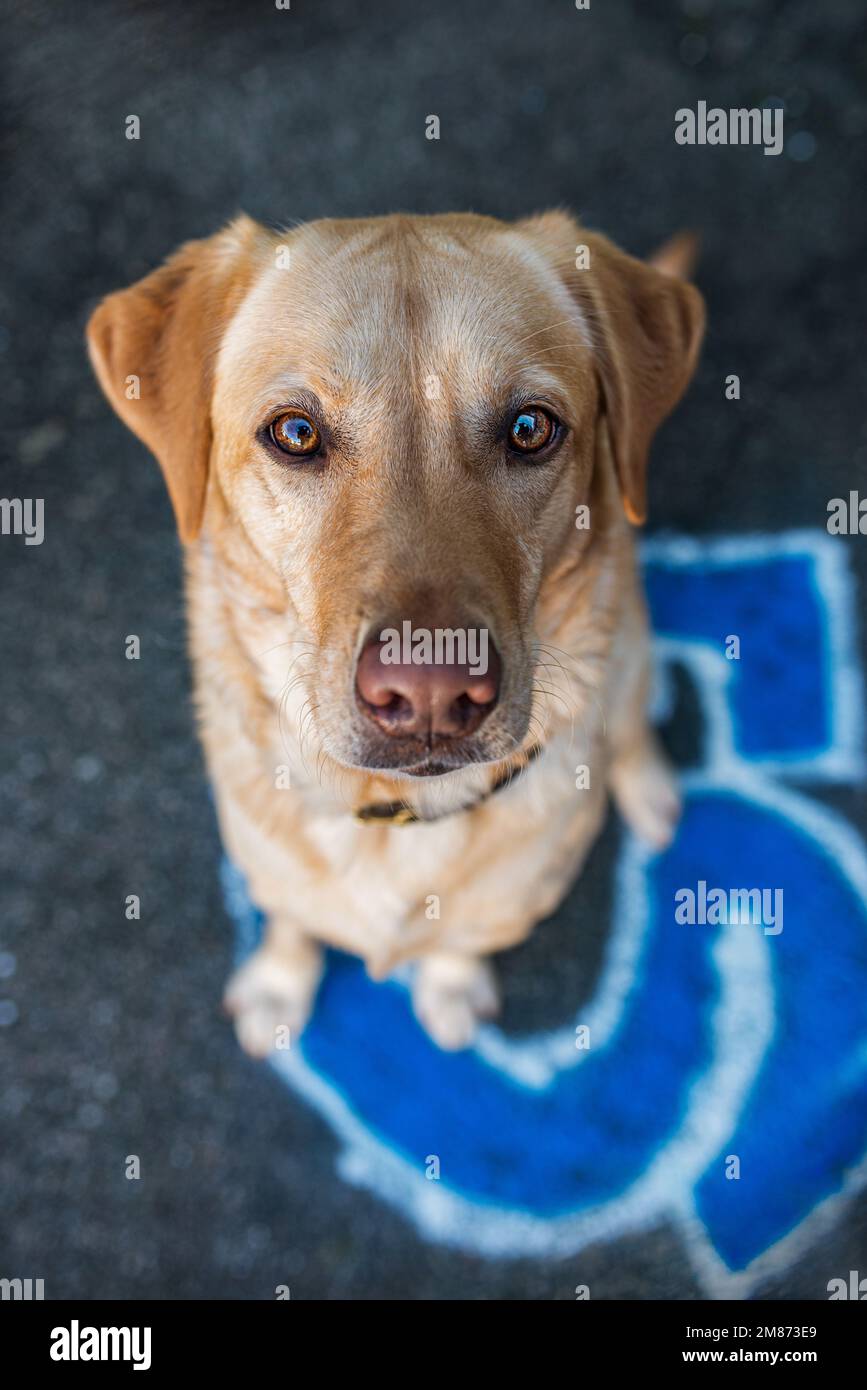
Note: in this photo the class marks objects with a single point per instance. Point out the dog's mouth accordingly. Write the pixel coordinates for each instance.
(415, 759)
(432, 768)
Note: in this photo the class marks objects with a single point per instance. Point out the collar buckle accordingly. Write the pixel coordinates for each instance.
(387, 813)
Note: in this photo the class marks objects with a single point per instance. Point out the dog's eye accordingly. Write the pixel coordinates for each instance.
(296, 434)
(531, 429)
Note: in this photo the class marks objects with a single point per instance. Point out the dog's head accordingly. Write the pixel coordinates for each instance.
(403, 416)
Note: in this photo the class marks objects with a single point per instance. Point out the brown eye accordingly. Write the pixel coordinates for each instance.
(296, 434)
(531, 429)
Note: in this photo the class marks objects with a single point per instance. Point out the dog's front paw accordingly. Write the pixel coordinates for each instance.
(645, 790)
(451, 995)
(270, 998)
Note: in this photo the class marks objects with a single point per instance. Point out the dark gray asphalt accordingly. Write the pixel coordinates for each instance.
(117, 1045)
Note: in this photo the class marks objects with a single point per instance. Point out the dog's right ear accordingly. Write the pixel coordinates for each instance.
(153, 348)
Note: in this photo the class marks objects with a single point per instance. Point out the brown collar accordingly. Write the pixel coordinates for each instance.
(398, 813)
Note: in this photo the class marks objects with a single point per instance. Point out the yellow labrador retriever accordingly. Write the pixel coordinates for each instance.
(403, 454)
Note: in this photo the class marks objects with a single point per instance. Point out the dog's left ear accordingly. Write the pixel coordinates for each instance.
(153, 348)
(645, 326)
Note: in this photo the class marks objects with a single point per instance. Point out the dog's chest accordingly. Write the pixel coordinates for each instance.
(389, 884)
(469, 882)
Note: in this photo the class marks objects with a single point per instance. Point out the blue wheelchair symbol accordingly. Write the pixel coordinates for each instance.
(707, 1043)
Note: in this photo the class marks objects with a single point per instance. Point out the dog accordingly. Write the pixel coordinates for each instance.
(415, 426)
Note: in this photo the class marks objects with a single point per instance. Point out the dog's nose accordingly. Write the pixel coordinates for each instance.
(431, 700)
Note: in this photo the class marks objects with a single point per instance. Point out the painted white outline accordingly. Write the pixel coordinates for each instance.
(745, 1003)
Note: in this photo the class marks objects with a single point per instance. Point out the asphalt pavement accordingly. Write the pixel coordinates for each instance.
(112, 1041)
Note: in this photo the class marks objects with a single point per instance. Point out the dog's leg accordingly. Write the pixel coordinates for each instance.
(644, 787)
(271, 995)
(640, 776)
(450, 994)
